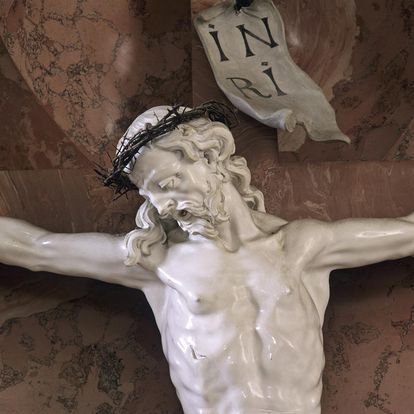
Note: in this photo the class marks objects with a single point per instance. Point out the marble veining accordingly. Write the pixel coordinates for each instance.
(368, 330)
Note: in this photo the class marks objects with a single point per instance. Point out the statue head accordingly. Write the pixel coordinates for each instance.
(181, 175)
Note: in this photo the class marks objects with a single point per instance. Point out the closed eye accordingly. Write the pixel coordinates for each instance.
(169, 183)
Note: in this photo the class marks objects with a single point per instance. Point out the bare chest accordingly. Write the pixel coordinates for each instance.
(237, 319)
(207, 279)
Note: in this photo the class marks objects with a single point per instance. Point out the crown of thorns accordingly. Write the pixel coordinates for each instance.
(122, 164)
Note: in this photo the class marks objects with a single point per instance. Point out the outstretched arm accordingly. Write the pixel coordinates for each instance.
(352, 242)
(93, 255)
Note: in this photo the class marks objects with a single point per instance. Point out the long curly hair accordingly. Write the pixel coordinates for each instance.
(195, 139)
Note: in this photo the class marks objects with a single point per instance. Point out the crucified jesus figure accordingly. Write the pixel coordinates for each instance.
(238, 295)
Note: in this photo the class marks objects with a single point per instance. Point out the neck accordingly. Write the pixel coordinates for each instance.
(240, 227)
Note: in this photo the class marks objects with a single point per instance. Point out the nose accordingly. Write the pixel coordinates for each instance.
(164, 206)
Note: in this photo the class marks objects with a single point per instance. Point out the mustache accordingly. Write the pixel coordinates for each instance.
(183, 209)
(200, 217)
(192, 218)
(198, 225)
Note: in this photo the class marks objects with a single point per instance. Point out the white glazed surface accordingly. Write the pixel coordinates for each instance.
(243, 79)
(240, 310)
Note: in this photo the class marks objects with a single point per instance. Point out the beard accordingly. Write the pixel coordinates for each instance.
(202, 218)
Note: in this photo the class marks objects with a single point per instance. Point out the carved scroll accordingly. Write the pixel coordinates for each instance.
(248, 53)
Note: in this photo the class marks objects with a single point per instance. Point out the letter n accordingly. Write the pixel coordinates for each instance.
(271, 43)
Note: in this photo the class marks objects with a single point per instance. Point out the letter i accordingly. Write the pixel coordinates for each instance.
(269, 73)
(214, 35)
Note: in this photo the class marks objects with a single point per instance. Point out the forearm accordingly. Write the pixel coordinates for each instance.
(18, 243)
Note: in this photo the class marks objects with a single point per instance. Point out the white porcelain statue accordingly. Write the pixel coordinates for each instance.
(238, 295)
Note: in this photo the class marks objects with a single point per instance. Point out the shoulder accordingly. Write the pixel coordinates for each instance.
(309, 234)
(304, 238)
(267, 222)
(304, 228)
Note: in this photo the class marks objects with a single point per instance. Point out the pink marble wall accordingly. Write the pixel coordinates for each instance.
(360, 54)
(76, 346)
(369, 340)
(29, 137)
(72, 76)
(94, 65)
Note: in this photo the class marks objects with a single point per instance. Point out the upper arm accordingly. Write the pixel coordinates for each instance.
(95, 255)
(360, 242)
(353, 242)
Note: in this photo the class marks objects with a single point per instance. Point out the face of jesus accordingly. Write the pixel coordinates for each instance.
(187, 191)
